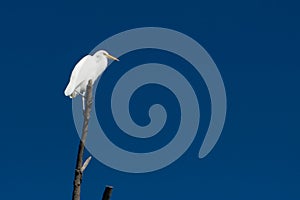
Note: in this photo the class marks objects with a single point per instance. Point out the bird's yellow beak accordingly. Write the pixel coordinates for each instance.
(111, 57)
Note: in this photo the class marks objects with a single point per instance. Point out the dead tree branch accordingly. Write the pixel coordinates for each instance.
(79, 167)
(107, 193)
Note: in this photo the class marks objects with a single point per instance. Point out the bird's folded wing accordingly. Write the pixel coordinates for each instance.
(79, 74)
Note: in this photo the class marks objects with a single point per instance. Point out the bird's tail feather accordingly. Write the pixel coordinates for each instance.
(69, 90)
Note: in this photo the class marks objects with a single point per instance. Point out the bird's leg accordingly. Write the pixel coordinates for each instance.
(83, 101)
(83, 98)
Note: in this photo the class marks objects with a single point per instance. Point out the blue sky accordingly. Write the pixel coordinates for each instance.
(255, 45)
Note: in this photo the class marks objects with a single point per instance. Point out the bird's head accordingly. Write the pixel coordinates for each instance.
(102, 54)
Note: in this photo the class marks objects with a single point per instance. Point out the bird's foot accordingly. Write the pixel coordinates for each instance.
(81, 94)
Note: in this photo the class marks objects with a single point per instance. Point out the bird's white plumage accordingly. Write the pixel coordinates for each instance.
(88, 68)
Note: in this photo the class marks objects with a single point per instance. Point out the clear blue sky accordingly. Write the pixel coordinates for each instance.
(255, 45)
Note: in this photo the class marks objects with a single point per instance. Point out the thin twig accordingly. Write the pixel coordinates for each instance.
(85, 164)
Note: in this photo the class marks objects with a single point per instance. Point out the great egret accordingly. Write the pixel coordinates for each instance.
(90, 67)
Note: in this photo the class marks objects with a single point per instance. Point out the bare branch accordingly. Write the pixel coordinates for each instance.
(107, 193)
(78, 170)
(79, 167)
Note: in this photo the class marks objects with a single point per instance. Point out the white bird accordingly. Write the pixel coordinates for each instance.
(90, 67)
